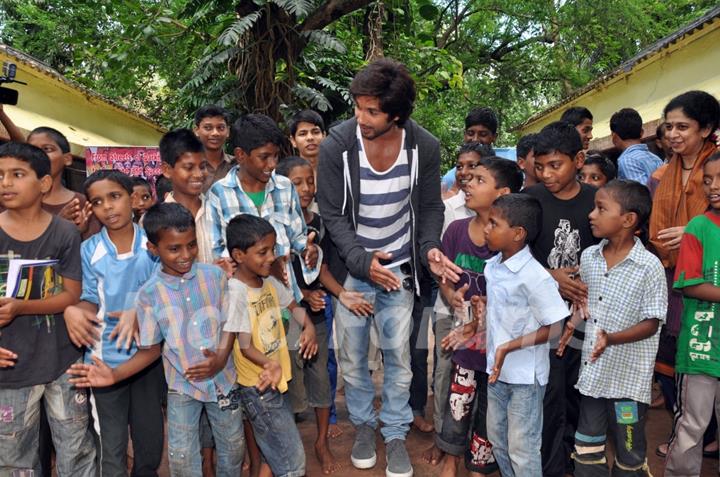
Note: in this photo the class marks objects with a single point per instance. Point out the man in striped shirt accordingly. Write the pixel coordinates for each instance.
(385, 220)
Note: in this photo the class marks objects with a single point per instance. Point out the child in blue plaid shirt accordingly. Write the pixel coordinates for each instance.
(627, 302)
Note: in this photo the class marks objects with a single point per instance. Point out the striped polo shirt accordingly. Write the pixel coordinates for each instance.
(384, 214)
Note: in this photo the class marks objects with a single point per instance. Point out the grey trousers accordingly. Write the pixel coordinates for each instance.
(697, 396)
(443, 370)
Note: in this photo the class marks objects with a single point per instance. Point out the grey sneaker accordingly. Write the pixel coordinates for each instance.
(398, 461)
(363, 452)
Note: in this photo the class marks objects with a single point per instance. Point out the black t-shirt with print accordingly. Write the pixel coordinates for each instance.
(565, 227)
(41, 342)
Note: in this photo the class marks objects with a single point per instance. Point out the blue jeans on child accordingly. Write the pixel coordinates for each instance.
(69, 418)
(393, 319)
(514, 424)
(183, 416)
(275, 431)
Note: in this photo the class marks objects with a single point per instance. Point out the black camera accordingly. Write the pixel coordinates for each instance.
(7, 95)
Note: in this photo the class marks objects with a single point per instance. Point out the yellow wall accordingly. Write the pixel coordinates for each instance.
(85, 120)
(693, 62)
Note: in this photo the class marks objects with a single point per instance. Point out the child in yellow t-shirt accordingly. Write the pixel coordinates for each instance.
(261, 355)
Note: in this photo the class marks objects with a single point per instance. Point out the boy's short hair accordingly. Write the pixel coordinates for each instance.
(211, 111)
(632, 197)
(627, 124)
(306, 116)
(177, 142)
(112, 175)
(521, 210)
(505, 172)
(604, 164)
(698, 105)
(525, 145)
(34, 156)
(165, 216)
(660, 131)
(56, 136)
(287, 164)
(559, 136)
(246, 230)
(713, 157)
(252, 131)
(163, 186)
(576, 115)
(482, 150)
(391, 83)
(484, 116)
(138, 181)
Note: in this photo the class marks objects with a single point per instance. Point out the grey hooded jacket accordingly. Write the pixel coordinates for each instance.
(339, 192)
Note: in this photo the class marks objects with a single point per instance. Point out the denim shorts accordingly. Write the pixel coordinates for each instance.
(275, 431)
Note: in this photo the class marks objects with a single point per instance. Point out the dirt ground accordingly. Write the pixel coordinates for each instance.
(657, 429)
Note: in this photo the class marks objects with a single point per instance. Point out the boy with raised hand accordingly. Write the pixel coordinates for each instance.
(565, 233)
(116, 263)
(463, 431)
(181, 311)
(522, 304)
(212, 126)
(32, 324)
(261, 352)
(627, 303)
(252, 187)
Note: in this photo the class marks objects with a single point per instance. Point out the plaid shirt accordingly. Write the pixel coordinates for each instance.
(187, 314)
(632, 291)
(281, 208)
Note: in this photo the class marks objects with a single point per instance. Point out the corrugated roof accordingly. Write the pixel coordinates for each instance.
(629, 64)
(47, 70)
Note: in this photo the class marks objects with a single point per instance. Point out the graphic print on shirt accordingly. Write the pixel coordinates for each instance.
(702, 328)
(566, 246)
(268, 323)
(34, 282)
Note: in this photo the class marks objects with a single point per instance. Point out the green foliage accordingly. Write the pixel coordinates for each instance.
(167, 57)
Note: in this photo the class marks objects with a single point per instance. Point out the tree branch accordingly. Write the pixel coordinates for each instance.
(330, 11)
(505, 48)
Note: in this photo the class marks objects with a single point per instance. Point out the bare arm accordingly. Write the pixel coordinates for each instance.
(703, 291)
(99, 374)
(10, 308)
(637, 332)
(13, 131)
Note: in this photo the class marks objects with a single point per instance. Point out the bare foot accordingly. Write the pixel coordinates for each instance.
(208, 469)
(334, 430)
(450, 466)
(246, 462)
(326, 458)
(265, 470)
(422, 424)
(432, 455)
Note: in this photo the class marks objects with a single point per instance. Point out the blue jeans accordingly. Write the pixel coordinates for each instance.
(393, 319)
(69, 417)
(183, 416)
(514, 421)
(275, 431)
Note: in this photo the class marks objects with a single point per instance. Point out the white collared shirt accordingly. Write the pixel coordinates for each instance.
(455, 210)
(522, 297)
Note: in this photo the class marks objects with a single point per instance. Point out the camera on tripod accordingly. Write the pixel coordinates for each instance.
(7, 95)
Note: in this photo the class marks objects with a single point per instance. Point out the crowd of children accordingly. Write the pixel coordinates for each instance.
(209, 303)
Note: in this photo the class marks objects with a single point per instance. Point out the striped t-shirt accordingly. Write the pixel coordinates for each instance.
(384, 216)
